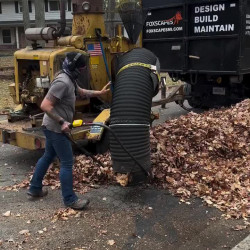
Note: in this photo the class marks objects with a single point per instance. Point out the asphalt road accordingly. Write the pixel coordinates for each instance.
(117, 218)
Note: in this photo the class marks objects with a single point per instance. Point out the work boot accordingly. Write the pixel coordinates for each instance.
(37, 194)
(80, 204)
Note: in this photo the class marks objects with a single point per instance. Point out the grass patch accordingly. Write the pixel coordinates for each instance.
(6, 61)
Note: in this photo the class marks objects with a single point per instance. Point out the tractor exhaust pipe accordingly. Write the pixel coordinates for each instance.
(48, 33)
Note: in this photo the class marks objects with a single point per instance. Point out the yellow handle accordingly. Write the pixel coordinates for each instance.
(77, 123)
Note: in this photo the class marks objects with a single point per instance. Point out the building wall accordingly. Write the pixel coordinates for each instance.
(9, 14)
(10, 20)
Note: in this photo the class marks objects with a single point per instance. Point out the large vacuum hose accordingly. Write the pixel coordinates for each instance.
(134, 89)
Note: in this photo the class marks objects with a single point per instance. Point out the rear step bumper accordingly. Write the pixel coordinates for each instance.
(26, 140)
(33, 140)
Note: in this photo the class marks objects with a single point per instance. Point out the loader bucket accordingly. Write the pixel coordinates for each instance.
(133, 18)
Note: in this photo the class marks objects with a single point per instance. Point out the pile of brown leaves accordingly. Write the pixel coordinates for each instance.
(208, 156)
(199, 155)
(86, 173)
(204, 155)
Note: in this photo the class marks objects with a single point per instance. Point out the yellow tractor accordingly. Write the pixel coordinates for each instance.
(36, 66)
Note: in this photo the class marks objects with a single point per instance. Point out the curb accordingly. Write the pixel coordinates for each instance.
(243, 245)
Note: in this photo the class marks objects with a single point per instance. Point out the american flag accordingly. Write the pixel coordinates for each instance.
(94, 49)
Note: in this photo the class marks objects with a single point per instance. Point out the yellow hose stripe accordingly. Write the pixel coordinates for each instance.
(148, 66)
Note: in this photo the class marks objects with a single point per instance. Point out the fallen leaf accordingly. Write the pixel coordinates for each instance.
(209, 202)
(7, 214)
(10, 240)
(111, 242)
(24, 232)
(63, 214)
(122, 179)
(78, 215)
(239, 227)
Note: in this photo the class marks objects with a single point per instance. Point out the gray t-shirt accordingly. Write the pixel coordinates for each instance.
(64, 90)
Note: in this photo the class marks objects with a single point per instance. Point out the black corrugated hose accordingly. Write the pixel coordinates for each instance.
(134, 89)
(84, 151)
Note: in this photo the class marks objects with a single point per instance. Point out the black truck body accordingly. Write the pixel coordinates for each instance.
(204, 43)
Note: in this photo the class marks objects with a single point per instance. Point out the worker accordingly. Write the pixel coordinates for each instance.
(59, 108)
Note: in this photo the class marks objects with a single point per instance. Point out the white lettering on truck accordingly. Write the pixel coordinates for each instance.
(159, 23)
(211, 22)
(210, 8)
(206, 19)
(214, 28)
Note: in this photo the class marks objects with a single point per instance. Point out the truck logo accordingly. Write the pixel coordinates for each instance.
(172, 21)
(176, 19)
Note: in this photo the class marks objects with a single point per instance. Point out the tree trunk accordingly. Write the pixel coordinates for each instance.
(110, 16)
(26, 17)
(39, 13)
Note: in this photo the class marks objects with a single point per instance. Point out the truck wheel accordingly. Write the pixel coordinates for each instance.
(196, 103)
(193, 103)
